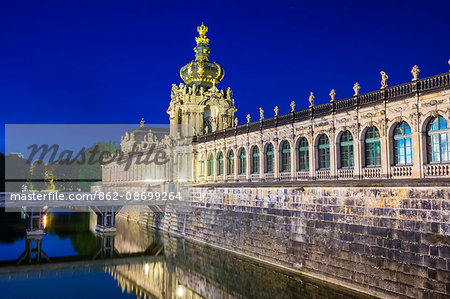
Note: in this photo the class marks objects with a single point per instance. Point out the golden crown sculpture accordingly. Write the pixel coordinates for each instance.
(202, 39)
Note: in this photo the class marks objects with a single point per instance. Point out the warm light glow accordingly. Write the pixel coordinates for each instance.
(180, 291)
(146, 269)
(44, 221)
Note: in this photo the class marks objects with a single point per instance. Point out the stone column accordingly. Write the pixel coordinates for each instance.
(312, 158)
(294, 154)
(276, 159)
(261, 161)
(247, 162)
(235, 163)
(333, 156)
(385, 153)
(215, 165)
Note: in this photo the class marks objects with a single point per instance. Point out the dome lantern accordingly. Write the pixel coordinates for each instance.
(201, 71)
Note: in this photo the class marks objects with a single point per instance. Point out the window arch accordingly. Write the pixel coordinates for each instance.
(230, 162)
(268, 158)
(438, 148)
(210, 169)
(202, 166)
(303, 154)
(255, 159)
(346, 150)
(285, 151)
(403, 153)
(323, 147)
(242, 161)
(372, 147)
(220, 163)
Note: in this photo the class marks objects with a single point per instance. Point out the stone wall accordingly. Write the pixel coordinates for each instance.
(387, 241)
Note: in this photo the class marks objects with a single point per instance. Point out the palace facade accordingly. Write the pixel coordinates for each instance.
(395, 132)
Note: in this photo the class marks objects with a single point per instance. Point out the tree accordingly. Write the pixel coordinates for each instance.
(91, 170)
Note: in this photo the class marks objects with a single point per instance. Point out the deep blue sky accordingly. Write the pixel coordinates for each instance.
(115, 61)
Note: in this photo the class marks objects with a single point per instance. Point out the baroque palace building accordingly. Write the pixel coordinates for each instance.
(395, 132)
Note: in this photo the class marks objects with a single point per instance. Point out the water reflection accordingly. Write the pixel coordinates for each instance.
(72, 260)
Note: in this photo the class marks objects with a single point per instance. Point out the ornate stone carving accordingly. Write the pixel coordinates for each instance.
(236, 122)
(248, 118)
(311, 99)
(384, 78)
(332, 95)
(261, 113)
(292, 106)
(356, 88)
(276, 110)
(415, 72)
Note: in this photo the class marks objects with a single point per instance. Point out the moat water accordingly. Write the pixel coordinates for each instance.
(71, 261)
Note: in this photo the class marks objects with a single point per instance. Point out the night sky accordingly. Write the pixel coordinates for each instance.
(114, 61)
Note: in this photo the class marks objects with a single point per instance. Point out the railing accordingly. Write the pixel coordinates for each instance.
(345, 173)
(254, 177)
(434, 82)
(269, 176)
(345, 103)
(303, 175)
(242, 178)
(399, 90)
(371, 172)
(285, 175)
(323, 174)
(431, 170)
(230, 177)
(370, 97)
(401, 171)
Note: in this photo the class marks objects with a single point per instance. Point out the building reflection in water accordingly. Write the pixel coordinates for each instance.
(190, 270)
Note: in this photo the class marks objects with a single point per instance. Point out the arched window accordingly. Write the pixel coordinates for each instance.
(210, 170)
(403, 144)
(202, 166)
(242, 161)
(372, 147)
(230, 162)
(285, 156)
(303, 154)
(220, 163)
(438, 147)
(268, 158)
(346, 149)
(323, 147)
(255, 159)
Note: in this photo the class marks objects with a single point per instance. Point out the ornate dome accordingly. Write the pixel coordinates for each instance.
(201, 71)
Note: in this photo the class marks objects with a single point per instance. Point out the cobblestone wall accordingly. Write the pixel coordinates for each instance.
(389, 241)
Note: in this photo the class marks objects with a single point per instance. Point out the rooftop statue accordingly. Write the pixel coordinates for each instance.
(311, 99)
(332, 95)
(261, 113)
(384, 78)
(356, 88)
(292, 106)
(415, 72)
(276, 110)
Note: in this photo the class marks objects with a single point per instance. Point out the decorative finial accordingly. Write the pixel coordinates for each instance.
(261, 113)
(311, 99)
(292, 106)
(142, 122)
(202, 39)
(415, 72)
(248, 118)
(384, 78)
(356, 88)
(276, 110)
(332, 95)
(236, 122)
